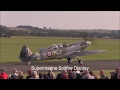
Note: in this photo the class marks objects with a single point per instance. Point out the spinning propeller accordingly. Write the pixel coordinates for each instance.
(89, 39)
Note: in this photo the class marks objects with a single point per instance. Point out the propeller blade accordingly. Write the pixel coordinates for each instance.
(86, 37)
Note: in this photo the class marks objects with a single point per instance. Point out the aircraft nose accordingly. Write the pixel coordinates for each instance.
(88, 42)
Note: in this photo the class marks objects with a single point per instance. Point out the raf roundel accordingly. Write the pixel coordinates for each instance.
(49, 53)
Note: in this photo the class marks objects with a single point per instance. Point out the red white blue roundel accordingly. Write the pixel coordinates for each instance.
(49, 53)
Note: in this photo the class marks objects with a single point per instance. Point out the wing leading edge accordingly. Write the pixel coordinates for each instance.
(83, 53)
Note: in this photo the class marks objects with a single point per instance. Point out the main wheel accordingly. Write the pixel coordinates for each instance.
(69, 60)
(80, 62)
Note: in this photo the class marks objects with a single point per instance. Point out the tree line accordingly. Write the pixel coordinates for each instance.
(35, 31)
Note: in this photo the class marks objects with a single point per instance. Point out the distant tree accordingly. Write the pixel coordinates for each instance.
(44, 27)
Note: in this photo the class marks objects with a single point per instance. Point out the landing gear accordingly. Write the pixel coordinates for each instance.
(80, 61)
(28, 63)
(69, 60)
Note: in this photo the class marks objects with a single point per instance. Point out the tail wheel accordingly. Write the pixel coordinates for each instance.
(69, 60)
(28, 63)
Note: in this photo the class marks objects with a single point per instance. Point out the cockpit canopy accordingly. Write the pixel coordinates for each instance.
(60, 45)
(55, 46)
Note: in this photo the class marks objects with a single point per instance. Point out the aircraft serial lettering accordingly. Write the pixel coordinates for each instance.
(50, 53)
(58, 52)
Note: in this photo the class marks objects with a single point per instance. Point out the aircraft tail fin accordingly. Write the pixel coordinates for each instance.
(25, 53)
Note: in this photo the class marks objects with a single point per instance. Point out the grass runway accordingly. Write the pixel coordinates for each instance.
(10, 47)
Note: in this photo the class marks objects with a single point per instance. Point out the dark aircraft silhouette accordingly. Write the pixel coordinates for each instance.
(58, 51)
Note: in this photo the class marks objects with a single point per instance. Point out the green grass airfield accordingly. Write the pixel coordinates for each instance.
(10, 47)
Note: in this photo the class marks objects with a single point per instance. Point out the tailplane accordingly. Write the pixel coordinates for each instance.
(25, 53)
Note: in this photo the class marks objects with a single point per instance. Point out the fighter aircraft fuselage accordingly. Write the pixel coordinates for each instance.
(57, 51)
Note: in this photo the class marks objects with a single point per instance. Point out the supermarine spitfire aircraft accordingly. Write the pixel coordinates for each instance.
(58, 51)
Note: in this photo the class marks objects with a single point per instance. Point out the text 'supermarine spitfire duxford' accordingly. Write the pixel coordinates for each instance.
(58, 51)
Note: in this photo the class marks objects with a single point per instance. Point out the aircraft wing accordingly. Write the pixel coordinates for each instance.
(83, 53)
